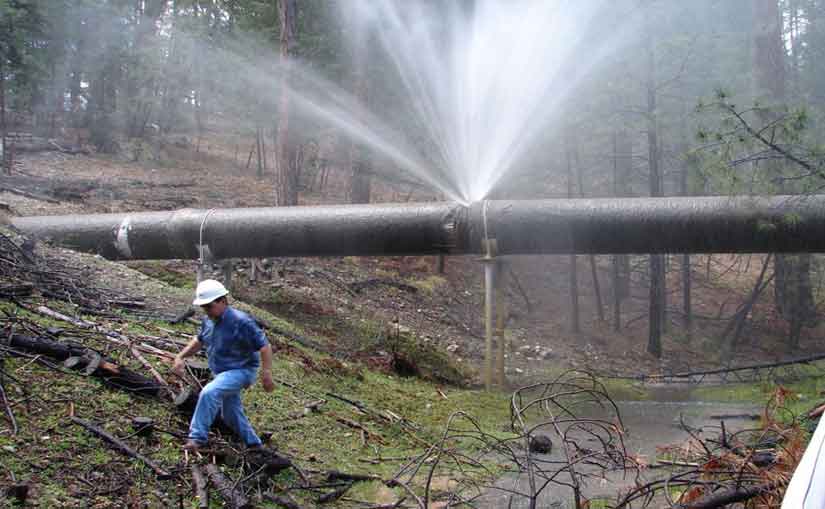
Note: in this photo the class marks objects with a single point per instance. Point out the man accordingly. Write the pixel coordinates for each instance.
(236, 348)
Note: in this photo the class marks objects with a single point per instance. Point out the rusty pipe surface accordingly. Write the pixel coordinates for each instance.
(597, 226)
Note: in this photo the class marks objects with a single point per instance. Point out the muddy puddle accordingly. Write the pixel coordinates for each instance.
(650, 424)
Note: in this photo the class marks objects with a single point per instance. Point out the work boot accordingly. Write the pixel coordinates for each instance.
(193, 445)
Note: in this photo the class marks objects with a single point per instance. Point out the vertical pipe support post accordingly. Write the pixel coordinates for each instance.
(490, 249)
(501, 317)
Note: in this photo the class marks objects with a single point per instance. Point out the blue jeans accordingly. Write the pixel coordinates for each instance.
(224, 393)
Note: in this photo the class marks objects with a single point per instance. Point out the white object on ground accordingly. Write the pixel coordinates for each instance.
(807, 489)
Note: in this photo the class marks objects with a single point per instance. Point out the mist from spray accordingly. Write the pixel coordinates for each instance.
(469, 88)
(482, 79)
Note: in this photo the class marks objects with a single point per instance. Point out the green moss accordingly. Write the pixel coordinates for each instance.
(801, 396)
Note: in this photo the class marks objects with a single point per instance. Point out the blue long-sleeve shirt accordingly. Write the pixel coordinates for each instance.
(232, 341)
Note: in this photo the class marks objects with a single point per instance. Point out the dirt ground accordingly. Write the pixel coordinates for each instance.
(342, 301)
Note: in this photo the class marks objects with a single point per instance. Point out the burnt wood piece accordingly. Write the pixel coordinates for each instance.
(269, 460)
(143, 426)
(112, 374)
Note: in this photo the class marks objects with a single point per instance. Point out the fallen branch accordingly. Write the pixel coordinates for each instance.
(26, 194)
(233, 497)
(122, 447)
(335, 494)
(335, 475)
(356, 425)
(43, 310)
(731, 496)
(9, 412)
(281, 501)
(268, 461)
(149, 366)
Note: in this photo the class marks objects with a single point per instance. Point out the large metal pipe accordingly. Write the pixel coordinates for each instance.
(598, 226)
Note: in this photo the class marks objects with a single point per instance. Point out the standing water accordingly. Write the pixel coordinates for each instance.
(649, 426)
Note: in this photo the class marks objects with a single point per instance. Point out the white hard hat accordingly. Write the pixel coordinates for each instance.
(209, 290)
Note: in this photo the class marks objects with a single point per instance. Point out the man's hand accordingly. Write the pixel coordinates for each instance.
(178, 366)
(190, 349)
(266, 368)
(266, 381)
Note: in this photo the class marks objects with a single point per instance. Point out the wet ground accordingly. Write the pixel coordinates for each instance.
(650, 425)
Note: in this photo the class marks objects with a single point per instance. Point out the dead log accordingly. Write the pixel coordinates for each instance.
(26, 194)
(16, 290)
(129, 304)
(43, 346)
(122, 447)
(199, 483)
(282, 501)
(335, 475)
(267, 460)
(234, 498)
(143, 426)
(335, 494)
(83, 324)
(731, 496)
(189, 312)
(111, 373)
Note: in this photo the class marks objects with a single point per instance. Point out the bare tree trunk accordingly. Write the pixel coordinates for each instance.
(146, 14)
(574, 280)
(737, 323)
(622, 166)
(258, 151)
(286, 188)
(657, 275)
(687, 307)
(617, 301)
(592, 258)
(171, 92)
(5, 155)
(359, 185)
(793, 295)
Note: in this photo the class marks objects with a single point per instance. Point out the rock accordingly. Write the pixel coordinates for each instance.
(541, 444)
(453, 348)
